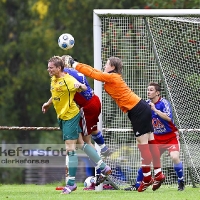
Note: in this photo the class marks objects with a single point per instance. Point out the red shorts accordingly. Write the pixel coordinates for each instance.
(169, 142)
(90, 115)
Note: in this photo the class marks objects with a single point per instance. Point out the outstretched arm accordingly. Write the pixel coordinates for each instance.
(91, 72)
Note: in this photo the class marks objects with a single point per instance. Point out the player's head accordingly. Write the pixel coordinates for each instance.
(153, 90)
(55, 65)
(113, 64)
(57, 62)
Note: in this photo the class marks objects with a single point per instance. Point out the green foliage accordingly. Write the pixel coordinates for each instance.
(194, 82)
(171, 4)
(11, 176)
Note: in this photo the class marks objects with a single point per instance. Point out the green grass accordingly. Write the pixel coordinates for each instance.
(48, 192)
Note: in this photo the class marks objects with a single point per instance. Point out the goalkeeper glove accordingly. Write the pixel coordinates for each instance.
(65, 59)
(71, 61)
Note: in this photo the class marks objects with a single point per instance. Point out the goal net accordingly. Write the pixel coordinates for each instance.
(154, 47)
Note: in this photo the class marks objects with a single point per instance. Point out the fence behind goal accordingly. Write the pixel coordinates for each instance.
(154, 48)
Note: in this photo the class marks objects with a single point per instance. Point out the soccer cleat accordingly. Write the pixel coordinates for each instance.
(104, 173)
(92, 187)
(143, 186)
(181, 185)
(60, 187)
(114, 182)
(105, 153)
(131, 188)
(158, 181)
(69, 188)
(108, 187)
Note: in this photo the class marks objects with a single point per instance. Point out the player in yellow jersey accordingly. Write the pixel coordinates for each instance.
(139, 113)
(63, 88)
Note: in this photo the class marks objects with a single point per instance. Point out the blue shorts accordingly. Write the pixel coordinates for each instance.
(70, 128)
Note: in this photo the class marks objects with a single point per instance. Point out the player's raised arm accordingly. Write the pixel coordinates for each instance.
(91, 72)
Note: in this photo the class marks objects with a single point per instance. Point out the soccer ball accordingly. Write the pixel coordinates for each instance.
(66, 41)
(89, 180)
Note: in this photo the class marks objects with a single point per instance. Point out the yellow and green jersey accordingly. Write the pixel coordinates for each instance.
(63, 91)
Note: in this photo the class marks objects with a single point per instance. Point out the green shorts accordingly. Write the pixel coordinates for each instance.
(70, 128)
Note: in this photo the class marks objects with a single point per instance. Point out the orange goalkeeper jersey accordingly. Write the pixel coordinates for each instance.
(114, 85)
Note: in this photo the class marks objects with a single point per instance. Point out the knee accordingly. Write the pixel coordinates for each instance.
(80, 144)
(175, 158)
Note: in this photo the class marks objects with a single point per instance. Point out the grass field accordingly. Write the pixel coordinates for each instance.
(48, 192)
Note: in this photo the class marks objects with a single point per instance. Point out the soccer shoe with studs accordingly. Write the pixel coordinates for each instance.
(92, 187)
(69, 188)
(131, 188)
(158, 180)
(108, 187)
(143, 186)
(181, 186)
(105, 153)
(104, 173)
(60, 187)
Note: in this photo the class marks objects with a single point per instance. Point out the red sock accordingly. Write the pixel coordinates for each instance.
(155, 153)
(146, 161)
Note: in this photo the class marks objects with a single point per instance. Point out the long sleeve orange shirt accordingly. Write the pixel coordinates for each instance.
(114, 85)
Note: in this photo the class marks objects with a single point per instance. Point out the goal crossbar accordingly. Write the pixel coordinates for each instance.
(148, 12)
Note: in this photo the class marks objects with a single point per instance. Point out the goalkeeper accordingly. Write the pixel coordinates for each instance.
(139, 113)
(165, 133)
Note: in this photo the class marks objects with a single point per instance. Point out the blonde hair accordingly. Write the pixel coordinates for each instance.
(57, 61)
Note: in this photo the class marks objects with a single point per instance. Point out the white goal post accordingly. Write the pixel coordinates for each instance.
(151, 43)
